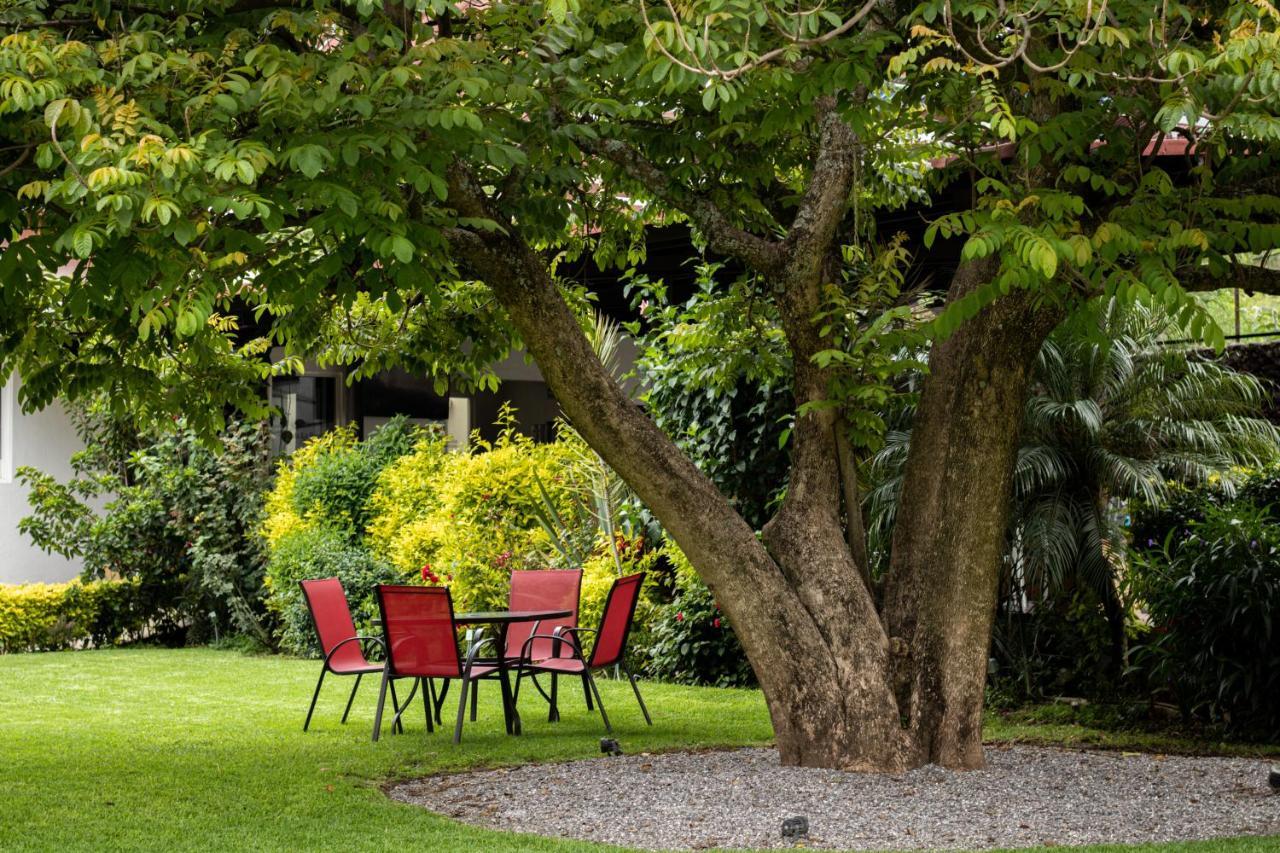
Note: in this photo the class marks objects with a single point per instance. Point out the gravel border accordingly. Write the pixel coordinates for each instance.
(738, 798)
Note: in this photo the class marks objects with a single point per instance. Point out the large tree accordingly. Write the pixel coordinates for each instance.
(402, 179)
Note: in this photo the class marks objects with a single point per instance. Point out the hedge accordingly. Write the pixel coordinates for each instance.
(47, 617)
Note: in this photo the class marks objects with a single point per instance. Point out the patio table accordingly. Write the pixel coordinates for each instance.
(501, 620)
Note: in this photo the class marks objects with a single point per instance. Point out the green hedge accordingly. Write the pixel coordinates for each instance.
(47, 617)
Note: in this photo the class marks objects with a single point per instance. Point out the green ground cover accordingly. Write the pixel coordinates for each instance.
(150, 749)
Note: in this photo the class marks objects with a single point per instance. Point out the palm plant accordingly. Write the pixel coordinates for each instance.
(1114, 416)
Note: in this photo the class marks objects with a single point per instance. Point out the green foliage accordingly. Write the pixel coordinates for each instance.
(334, 488)
(1212, 598)
(716, 378)
(1118, 417)
(321, 552)
(179, 517)
(471, 517)
(47, 617)
(690, 640)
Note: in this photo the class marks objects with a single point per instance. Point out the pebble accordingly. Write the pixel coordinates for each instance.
(1026, 796)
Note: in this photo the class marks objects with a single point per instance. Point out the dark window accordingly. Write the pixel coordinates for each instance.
(304, 408)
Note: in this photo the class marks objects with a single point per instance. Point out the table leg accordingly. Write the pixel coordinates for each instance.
(509, 713)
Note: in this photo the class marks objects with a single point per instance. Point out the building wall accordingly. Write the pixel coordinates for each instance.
(43, 440)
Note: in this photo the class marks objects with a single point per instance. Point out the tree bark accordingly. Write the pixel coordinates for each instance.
(952, 517)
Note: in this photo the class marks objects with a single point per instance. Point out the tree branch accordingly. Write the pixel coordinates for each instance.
(760, 253)
(1252, 279)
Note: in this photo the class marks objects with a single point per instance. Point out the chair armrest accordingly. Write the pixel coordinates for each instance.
(563, 630)
(342, 643)
(475, 648)
(555, 638)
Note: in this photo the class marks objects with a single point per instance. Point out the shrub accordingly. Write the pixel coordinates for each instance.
(180, 517)
(472, 516)
(1212, 599)
(321, 552)
(691, 641)
(47, 617)
(280, 517)
(334, 487)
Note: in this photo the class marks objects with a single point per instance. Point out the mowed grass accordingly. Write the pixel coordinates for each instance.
(196, 749)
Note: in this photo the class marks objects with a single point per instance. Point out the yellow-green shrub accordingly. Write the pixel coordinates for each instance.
(281, 517)
(472, 516)
(44, 616)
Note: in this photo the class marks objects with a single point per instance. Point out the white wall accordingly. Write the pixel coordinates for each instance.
(43, 440)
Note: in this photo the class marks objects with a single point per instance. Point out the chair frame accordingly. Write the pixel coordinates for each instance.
(326, 667)
(570, 637)
(553, 713)
(431, 700)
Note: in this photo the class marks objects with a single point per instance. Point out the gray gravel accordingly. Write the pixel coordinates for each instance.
(1027, 796)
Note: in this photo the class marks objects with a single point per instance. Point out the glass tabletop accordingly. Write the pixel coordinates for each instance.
(501, 617)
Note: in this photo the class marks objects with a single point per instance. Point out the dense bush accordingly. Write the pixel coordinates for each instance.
(466, 519)
(177, 515)
(690, 640)
(321, 552)
(1213, 597)
(335, 488)
(715, 373)
(47, 617)
(473, 516)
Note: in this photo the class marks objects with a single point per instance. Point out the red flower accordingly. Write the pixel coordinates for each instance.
(715, 623)
(426, 571)
(680, 617)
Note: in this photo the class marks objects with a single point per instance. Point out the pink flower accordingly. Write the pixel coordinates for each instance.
(680, 617)
(644, 307)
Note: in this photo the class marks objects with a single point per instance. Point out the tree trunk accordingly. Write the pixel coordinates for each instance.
(950, 531)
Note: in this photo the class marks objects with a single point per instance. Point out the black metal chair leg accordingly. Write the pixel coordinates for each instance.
(553, 713)
(433, 706)
(397, 727)
(382, 701)
(509, 703)
(591, 683)
(444, 691)
(314, 697)
(400, 709)
(586, 689)
(475, 699)
(462, 708)
(352, 698)
(636, 688)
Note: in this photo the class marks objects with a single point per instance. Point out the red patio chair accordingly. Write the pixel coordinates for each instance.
(539, 589)
(609, 649)
(421, 638)
(343, 650)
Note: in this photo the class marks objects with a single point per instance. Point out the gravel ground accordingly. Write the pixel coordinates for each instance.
(1027, 796)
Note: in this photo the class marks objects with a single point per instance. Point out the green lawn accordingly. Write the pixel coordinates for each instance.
(202, 749)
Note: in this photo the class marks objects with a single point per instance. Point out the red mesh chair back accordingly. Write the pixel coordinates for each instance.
(418, 627)
(546, 589)
(615, 625)
(332, 617)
